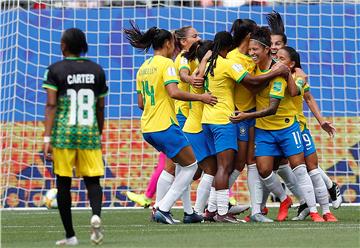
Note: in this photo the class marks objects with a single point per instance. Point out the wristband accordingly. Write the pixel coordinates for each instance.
(46, 139)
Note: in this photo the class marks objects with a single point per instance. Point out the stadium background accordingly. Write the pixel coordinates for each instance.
(326, 35)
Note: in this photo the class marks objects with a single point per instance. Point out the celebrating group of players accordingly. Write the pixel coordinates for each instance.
(221, 105)
(224, 104)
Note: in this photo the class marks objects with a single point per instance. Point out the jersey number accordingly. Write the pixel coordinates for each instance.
(148, 92)
(297, 139)
(81, 107)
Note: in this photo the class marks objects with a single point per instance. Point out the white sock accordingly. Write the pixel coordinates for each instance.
(222, 199)
(255, 187)
(266, 193)
(163, 185)
(320, 190)
(306, 186)
(186, 199)
(203, 192)
(273, 184)
(326, 178)
(232, 178)
(181, 182)
(289, 178)
(212, 205)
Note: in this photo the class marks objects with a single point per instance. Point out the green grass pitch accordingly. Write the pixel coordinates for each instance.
(132, 228)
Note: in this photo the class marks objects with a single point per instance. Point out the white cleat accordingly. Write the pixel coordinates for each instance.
(237, 209)
(97, 235)
(70, 241)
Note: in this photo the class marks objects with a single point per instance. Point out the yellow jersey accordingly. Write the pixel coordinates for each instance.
(152, 77)
(286, 113)
(193, 121)
(299, 100)
(244, 99)
(221, 85)
(182, 63)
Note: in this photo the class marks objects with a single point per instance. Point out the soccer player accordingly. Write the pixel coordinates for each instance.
(74, 120)
(277, 131)
(156, 83)
(279, 40)
(288, 56)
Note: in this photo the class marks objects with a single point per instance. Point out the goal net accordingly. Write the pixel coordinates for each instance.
(326, 33)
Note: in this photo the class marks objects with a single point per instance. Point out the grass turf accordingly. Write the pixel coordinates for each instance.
(132, 228)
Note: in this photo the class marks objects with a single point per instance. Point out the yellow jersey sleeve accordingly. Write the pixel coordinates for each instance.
(278, 86)
(184, 63)
(169, 73)
(298, 101)
(138, 83)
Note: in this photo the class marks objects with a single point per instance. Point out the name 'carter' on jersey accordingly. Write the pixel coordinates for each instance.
(79, 83)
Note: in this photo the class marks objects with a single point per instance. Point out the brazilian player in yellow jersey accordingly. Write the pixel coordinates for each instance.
(185, 37)
(277, 131)
(74, 118)
(291, 58)
(158, 95)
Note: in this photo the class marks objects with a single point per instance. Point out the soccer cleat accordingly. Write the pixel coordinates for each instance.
(70, 241)
(247, 218)
(140, 199)
(192, 218)
(335, 196)
(226, 218)
(97, 235)
(316, 217)
(163, 217)
(329, 217)
(284, 209)
(209, 216)
(264, 211)
(260, 218)
(232, 201)
(237, 209)
(175, 220)
(303, 212)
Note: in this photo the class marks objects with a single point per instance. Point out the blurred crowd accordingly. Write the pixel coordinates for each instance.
(43, 4)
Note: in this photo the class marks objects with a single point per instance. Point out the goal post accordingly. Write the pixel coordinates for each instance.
(326, 34)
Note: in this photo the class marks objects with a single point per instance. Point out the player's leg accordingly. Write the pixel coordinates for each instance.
(291, 145)
(63, 163)
(90, 166)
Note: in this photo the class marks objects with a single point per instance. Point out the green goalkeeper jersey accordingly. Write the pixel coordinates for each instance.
(79, 83)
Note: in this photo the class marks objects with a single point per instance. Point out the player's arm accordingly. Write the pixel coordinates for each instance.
(140, 100)
(256, 83)
(100, 106)
(50, 112)
(193, 79)
(270, 110)
(325, 125)
(177, 94)
(294, 89)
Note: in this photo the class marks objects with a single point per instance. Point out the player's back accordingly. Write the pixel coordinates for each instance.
(151, 80)
(78, 82)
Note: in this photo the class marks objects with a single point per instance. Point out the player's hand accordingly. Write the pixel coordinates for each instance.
(329, 128)
(238, 117)
(209, 99)
(47, 151)
(281, 69)
(196, 82)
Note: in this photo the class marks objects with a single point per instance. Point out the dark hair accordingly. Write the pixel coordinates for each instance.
(223, 40)
(154, 37)
(75, 41)
(240, 29)
(294, 56)
(198, 50)
(276, 25)
(262, 35)
(180, 34)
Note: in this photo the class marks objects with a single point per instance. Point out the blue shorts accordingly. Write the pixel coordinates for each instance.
(308, 142)
(181, 119)
(243, 129)
(170, 141)
(199, 146)
(285, 142)
(220, 137)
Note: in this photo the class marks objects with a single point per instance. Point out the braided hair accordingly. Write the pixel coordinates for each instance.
(222, 41)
